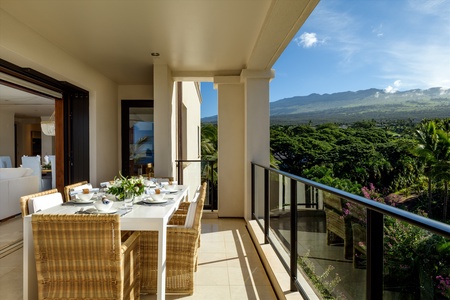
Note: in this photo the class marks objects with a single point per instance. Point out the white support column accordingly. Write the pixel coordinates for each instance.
(244, 136)
(164, 121)
(231, 145)
(257, 125)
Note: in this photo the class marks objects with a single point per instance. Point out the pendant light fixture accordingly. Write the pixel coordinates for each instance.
(48, 127)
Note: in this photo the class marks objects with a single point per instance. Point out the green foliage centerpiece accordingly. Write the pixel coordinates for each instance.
(123, 185)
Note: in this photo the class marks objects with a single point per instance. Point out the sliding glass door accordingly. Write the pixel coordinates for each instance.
(137, 136)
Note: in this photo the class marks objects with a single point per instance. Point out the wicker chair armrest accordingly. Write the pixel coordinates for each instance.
(131, 264)
(183, 240)
(182, 236)
(174, 226)
(131, 242)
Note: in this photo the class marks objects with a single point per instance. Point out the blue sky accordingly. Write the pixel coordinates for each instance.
(350, 45)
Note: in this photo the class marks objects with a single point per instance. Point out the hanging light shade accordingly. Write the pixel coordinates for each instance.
(48, 127)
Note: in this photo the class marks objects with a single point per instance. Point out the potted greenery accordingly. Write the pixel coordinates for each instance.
(133, 186)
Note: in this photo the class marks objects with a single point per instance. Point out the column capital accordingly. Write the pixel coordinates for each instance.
(257, 74)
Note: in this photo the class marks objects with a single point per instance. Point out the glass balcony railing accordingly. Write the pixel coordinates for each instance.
(346, 246)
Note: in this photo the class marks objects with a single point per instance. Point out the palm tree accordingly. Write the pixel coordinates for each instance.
(442, 167)
(426, 150)
(209, 141)
(433, 150)
(209, 151)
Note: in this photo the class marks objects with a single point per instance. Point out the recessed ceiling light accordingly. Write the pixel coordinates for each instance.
(155, 54)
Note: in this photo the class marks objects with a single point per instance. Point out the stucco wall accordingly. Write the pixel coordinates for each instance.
(21, 46)
(191, 103)
(191, 135)
(231, 133)
(7, 134)
(48, 142)
(165, 121)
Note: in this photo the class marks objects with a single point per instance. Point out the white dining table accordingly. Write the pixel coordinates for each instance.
(151, 217)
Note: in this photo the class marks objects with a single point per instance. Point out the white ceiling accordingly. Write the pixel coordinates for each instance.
(195, 38)
(24, 104)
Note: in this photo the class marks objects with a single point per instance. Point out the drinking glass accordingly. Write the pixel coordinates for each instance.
(128, 200)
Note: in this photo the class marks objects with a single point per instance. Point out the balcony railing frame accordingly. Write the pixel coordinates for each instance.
(213, 203)
(375, 215)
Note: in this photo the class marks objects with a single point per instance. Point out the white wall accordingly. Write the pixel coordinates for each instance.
(24, 127)
(135, 92)
(165, 121)
(192, 120)
(7, 134)
(231, 146)
(191, 139)
(21, 46)
(48, 142)
(257, 125)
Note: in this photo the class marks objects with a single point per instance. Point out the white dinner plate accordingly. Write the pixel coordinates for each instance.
(111, 211)
(151, 201)
(78, 201)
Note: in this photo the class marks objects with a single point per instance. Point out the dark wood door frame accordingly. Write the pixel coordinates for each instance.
(64, 139)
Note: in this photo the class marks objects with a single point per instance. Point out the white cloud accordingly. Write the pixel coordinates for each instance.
(431, 7)
(420, 57)
(389, 90)
(407, 40)
(339, 31)
(444, 91)
(378, 31)
(394, 88)
(307, 40)
(420, 65)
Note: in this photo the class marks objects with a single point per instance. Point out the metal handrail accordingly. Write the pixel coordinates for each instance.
(375, 213)
(425, 223)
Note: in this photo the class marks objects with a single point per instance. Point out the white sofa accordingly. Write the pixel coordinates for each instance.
(15, 183)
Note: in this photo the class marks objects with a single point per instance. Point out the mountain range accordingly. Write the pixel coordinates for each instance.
(348, 107)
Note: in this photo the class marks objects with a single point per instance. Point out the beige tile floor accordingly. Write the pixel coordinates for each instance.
(229, 266)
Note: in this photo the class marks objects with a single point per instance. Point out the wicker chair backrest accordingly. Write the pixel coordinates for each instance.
(25, 199)
(199, 208)
(71, 186)
(78, 256)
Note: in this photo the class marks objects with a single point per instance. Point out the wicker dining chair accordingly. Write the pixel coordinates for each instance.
(179, 217)
(83, 257)
(181, 255)
(25, 199)
(71, 186)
